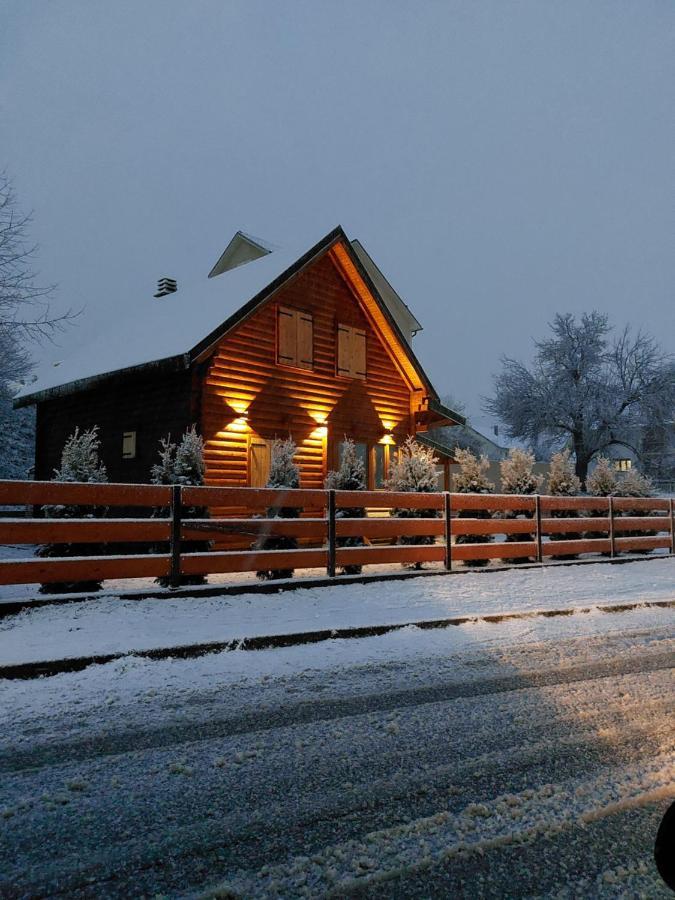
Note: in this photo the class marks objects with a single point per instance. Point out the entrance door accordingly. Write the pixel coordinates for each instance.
(259, 460)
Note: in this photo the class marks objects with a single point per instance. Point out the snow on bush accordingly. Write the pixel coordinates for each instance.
(634, 484)
(518, 478)
(602, 482)
(182, 464)
(472, 479)
(350, 476)
(284, 473)
(80, 462)
(414, 471)
(563, 482)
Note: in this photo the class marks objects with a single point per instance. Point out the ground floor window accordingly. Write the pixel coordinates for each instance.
(623, 465)
(377, 459)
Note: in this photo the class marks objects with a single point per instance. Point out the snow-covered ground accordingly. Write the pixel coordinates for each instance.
(528, 758)
(113, 625)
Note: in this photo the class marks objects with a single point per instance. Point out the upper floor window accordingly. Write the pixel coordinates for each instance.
(295, 338)
(623, 465)
(351, 352)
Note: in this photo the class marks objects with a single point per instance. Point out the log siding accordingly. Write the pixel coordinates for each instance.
(247, 395)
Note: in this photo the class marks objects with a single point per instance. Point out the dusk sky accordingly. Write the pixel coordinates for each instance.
(501, 161)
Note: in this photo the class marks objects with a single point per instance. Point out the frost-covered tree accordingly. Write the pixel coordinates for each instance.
(350, 476)
(563, 482)
(284, 474)
(585, 388)
(182, 464)
(24, 316)
(414, 470)
(518, 477)
(472, 479)
(80, 462)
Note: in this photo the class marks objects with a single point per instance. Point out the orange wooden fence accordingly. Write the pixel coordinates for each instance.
(605, 525)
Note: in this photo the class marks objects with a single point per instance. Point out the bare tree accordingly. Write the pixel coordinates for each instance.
(24, 316)
(586, 389)
(24, 304)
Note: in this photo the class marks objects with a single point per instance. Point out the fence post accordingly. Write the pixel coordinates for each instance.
(331, 534)
(448, 530)
(537, 514)
(672, 527)
(612, 537)
(175, 534)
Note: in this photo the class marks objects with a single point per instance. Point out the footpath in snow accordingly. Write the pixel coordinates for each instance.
(115, 625)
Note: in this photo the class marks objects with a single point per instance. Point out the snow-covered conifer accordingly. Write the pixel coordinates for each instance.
(602, 482)
(517, 477)
(634, 484)
(414, 471)
(284, 473)
(562, 482)
(472, 479)
(80, 462)
(350, 476)
(182, 464)
(517, 473)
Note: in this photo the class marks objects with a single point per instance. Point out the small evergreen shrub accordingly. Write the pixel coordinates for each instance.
(80, 462)
(563, 482)
(284, 473)
(350, 476)
(472, 479)
(518, 478)
(602, 482)
(414, 471)
(635, 484)
(182, 464)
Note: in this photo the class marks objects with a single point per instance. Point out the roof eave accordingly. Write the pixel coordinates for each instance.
(177, 363)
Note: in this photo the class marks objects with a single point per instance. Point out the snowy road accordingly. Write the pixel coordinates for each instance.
(527, 758)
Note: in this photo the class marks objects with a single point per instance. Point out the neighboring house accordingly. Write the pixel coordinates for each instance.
(316, 346)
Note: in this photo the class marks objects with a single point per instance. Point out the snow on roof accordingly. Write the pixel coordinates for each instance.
(144, 330)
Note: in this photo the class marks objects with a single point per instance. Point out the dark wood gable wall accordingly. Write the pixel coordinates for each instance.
(152, 404)
(248, 397)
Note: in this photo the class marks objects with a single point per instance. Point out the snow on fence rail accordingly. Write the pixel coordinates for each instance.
(161, 520)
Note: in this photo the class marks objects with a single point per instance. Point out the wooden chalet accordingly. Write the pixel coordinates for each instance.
(315, 345)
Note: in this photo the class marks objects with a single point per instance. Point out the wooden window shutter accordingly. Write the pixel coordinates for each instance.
(351, 353)
(358, 353)
(344, 350)
(305, 356)
(288, 344)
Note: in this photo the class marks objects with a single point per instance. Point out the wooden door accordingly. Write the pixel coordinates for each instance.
(259, 459)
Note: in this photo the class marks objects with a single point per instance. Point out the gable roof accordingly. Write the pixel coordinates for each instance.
(406, 321)
(181, 328)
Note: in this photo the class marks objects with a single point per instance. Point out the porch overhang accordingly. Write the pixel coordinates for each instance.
(434, 414)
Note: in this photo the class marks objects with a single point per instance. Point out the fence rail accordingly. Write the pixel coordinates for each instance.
(171, 520)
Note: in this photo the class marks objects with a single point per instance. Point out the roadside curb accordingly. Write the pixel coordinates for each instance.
(48, 668)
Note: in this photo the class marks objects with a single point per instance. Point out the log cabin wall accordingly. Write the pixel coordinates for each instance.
(249, 398)
(151, 404)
